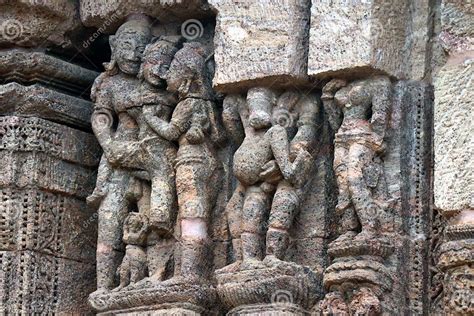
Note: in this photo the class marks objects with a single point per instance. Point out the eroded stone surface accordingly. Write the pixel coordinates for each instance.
(358, 37)
(38, 23)
(454, 145)
(260, 42)
(108, 15)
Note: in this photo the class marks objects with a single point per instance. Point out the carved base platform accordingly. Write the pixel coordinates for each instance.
(273, 285)
(357, 278)
(182, 309)
(275, 309)
(190, 299)
(379, 247)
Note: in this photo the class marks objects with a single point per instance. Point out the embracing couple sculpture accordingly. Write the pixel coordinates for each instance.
(154, 92)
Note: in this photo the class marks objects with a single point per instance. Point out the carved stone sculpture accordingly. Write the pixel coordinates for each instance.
(194, 125)
(272, 166)
(248, 157)
(113, 92)
(134, 264)
(358, 113)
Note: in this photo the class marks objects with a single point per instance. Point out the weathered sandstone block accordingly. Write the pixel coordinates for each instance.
(260, 42)
(454, 144)
(38, 22)
(357, 37)
(108, 15)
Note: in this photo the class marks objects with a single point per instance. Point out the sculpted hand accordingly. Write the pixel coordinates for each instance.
(195, 135)
(271, 172)
(332, 86)
(300, 167)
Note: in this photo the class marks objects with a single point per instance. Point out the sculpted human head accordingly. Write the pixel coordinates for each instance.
(188, 73)
(260, 103)
(128, 45)
(157, 60)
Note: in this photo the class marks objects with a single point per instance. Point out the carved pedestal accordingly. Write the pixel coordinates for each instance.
(457, 262)
(358, 279)
(277, 288)
(177, 299)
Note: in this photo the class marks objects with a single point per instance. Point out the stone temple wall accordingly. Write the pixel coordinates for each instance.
(236, 157)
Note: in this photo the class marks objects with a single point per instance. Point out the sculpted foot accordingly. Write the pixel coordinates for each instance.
(366, 234)
(347, 236)
(233, 267)
(252, 264)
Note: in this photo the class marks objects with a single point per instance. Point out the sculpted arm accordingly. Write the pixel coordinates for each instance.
(102, 118)
(179, 123)
(280, 145)
(231, 118)
(307, 136)
(381, 99)
(331, 109)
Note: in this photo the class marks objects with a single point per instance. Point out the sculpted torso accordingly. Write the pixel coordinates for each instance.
(254, 152)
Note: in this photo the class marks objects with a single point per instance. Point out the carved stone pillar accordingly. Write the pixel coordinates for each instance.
(368, 270)
(47, 242)
(454, 148)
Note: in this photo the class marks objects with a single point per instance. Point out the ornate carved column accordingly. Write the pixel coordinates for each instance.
(47, 243)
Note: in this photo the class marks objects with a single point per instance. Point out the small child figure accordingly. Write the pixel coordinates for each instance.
(134, 263)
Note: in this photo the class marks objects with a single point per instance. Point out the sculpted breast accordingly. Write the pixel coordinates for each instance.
(250, 158)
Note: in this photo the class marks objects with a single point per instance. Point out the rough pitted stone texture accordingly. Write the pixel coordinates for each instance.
(457, 20)
(275, 199)
(42, 23)
(454, 144)
(29, 67)
(36, 283)
(260, 42)
(40, 85)
(108, 15)
(358, 37)
(454, 165)
(48, 232)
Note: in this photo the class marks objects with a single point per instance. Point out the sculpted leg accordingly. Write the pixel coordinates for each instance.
(104, 172)
(194, 208)
(234, 221)
(340, 169)
(284, 207)
(359, 157)
(162, 201)
(112, 213)
(348, 222)
(255, 209)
